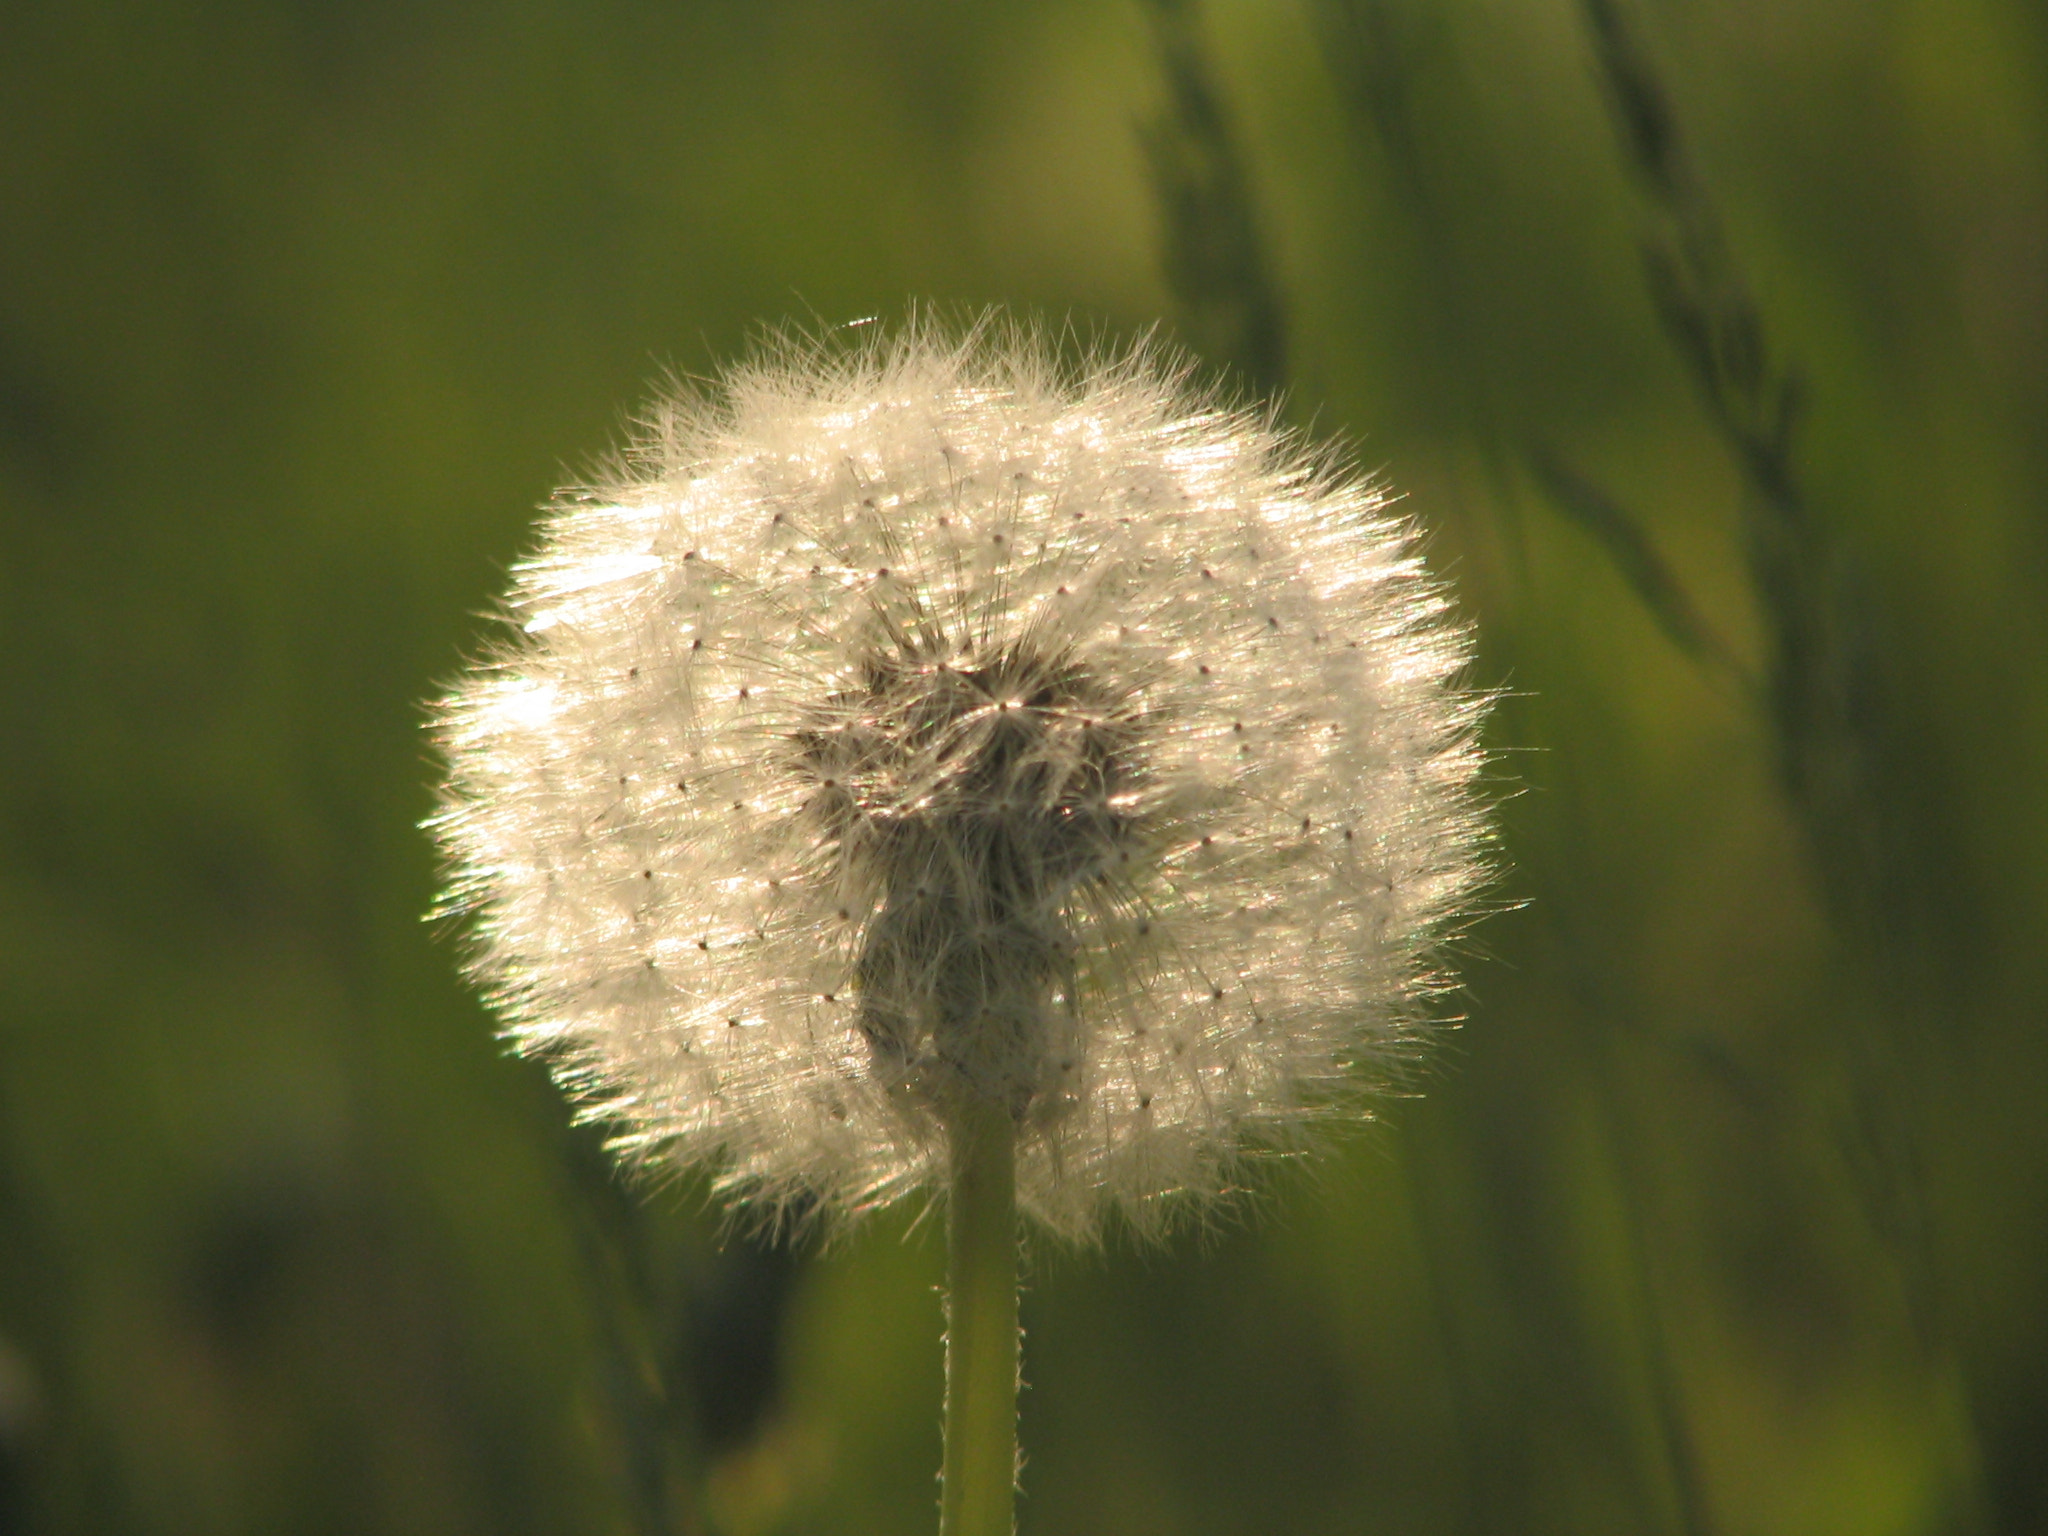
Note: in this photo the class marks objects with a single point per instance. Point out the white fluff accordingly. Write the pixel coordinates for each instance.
(916, 718)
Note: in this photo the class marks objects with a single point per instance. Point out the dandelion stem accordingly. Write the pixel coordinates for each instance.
(978, 1481)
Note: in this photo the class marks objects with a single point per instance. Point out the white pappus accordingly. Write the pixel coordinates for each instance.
(920, 717)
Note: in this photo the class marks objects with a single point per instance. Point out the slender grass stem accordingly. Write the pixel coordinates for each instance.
(979, 1478)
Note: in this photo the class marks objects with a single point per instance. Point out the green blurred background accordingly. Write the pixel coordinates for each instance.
(1710, 337)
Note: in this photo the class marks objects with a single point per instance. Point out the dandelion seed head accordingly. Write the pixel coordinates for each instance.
(916, 720)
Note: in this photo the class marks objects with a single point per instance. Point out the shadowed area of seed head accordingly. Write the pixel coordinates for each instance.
(972, 794)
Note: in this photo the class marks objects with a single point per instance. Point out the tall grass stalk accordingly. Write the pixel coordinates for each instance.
(1823, 694)
(1214, 256)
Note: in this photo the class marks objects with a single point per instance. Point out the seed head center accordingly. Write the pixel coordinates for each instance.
(974, 800)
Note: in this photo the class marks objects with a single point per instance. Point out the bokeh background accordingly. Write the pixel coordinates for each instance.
(1710, 338)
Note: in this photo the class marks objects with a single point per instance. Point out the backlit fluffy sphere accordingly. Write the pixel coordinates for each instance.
(916, 721)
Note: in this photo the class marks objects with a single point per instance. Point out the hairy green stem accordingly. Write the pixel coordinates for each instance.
(979, 1479)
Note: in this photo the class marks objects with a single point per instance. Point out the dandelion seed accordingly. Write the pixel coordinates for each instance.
(944, 619)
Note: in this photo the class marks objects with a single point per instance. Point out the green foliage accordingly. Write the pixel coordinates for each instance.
(1724, 1208)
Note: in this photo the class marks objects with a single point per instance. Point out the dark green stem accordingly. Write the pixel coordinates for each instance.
(979, 1480)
